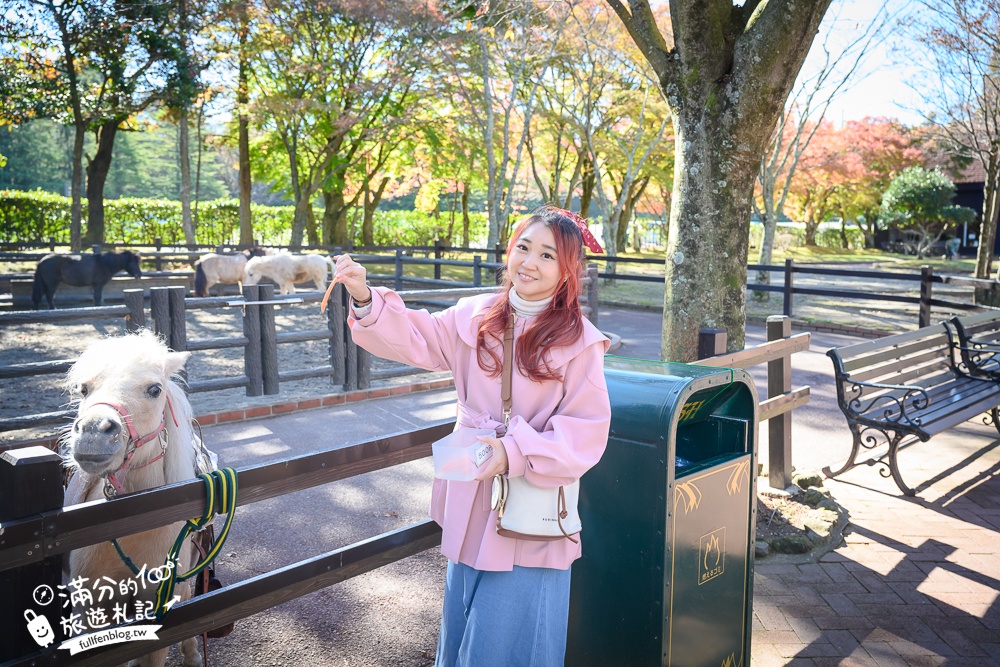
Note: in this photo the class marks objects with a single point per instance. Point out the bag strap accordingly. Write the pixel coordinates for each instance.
(506, 372)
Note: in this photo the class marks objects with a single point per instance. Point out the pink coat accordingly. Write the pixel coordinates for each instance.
(559, 429)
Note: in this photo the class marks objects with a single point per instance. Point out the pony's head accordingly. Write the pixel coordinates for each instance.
(255, 251)
(127, 397)
(252, 271)
(132, 264)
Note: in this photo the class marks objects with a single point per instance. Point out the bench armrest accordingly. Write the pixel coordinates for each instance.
(897, 409)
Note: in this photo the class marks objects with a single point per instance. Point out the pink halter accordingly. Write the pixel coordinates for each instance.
(115, 480)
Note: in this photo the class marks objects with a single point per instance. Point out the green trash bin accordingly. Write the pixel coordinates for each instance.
(666, 576)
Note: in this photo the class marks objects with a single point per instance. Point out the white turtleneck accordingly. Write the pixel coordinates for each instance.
(525, 308)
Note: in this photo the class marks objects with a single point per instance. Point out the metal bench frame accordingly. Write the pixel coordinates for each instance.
(976, 341)
(905, 388)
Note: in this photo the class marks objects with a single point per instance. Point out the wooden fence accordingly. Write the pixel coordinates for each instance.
(349, 365)
(781, 397)
(921, 293)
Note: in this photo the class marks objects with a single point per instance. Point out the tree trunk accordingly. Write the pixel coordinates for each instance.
(301, 219)
(197, 171)
(465, 215)
(97, 175)
(242, 100)
(811, 227)
(587, 189)
(184, 160)
(988, 229)
(75, 188)
(334, 217)
(312, 230)
(371, 202)
(726, 78)
(709, 231)
(766, 254)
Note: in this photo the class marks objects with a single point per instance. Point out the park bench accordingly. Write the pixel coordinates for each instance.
(906, 388)
(976, 340)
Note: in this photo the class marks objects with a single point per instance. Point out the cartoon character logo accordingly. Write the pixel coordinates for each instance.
(39, 627)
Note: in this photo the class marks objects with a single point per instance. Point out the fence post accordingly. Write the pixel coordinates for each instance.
(268, 342)
(926, 283)
(350, 350)
(779, 429)
(158, 242)
(159, 311)
(178, 317)
(592, 297)
(438, 255)
(477, 271)
(364, 368)
(336, 320)
(712, 342)
(398, 281)
(136, 318)
(96, 248)
(251, 331)
(30, 483)
(52, 244)
(789, 285)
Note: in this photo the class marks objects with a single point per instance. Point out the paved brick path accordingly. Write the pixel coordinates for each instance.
(917, 581)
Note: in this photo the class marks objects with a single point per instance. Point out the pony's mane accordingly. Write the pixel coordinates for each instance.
(179, 462)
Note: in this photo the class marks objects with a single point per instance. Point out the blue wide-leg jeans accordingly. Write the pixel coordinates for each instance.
(504, 619)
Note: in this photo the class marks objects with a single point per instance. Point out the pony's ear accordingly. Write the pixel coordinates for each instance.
(176, 361)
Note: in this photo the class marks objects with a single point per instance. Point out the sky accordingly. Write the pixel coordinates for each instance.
(882, 86)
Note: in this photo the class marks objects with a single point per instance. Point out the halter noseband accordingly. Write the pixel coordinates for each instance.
(114, 482)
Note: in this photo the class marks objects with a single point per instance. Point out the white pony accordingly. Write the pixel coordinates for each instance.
(133, 432)
(213, 269)
(286, 270)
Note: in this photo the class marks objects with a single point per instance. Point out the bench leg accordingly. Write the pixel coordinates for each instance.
(995, 417)
(893, 465)
(855, 448)
(870, 438)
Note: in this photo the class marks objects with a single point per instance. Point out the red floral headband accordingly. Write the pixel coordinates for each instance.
(588, 238)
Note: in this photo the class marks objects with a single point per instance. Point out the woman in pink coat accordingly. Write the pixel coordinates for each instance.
(506, 600)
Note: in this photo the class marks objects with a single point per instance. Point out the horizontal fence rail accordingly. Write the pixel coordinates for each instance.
(45, 535)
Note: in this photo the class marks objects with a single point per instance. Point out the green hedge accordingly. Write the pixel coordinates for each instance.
(37, 216)
(827, 237)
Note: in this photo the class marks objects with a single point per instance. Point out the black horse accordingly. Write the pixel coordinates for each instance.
(80, 270)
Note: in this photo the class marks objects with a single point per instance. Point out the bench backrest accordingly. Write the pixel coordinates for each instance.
(922, 358)
(981, 327)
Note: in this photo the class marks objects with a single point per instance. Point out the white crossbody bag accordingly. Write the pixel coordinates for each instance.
(525, 511)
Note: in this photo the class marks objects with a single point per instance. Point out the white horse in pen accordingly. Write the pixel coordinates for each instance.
(286, 270)
(213, 269)
(133, 432)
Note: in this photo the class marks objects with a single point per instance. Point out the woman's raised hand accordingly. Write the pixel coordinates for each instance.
(352, 276)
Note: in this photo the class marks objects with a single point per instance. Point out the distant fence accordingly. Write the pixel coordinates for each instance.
(349, 365)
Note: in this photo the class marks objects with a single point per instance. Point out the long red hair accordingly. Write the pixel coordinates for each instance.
(559, 324)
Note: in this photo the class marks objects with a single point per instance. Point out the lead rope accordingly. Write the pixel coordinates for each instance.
(224, 483)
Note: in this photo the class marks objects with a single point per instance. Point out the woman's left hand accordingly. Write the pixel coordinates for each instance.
(496, 465)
